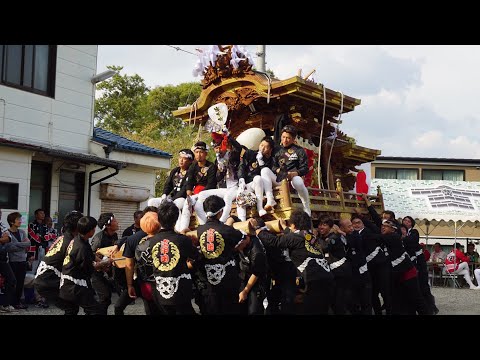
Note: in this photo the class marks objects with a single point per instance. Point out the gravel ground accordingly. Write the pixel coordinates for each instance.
(450, 302)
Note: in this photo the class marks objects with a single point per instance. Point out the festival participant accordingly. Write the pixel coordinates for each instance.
(37, 232)
(253, 272)
(108, 225)
(306, 253)
(336, 247)
(249, 171)
(361, 282)
(135, 283)
(406, 296)
(377, 263)
(171, 255)
(227, 151)
(79, 265)
(132, 229)
(47, 278)
(217, 244)
(291, 159)
(411, 242)
(175, 188)
(200, 176)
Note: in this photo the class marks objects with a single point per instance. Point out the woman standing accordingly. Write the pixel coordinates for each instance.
(17, 255)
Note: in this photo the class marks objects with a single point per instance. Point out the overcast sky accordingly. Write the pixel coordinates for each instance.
(416, 100)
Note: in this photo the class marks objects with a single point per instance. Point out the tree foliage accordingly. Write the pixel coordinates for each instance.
(162, 100)
(129, 108)
(120, 106)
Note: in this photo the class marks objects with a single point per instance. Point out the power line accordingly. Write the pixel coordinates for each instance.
(180, 49)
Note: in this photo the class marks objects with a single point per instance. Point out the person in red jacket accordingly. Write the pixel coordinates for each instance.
(426, 253)
(457, 263)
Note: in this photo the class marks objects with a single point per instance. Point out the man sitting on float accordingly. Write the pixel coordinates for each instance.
(227, 151)
(251, 164)
(175, 188)
(289, 161)
(200, 177)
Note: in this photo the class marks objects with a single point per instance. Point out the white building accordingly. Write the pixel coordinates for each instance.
(442, 195)
(51, 155)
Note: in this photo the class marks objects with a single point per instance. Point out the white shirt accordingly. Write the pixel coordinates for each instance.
(437, 255)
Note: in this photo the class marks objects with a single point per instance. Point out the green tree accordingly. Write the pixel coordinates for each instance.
(160, 103)
(271, 73)
(184, 138)
(129, 108)
(120, 106)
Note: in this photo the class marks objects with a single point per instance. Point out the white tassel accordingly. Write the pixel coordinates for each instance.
(260, 159)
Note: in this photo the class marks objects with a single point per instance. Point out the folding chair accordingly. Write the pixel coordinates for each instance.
(450, 276)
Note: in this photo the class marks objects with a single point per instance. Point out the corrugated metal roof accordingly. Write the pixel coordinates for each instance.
(106, 137)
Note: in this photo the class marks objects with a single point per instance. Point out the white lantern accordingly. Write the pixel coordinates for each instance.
(251, 138)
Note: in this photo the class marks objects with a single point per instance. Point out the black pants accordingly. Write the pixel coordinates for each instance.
(178, 309)
(19, 269)
(381, 284)
(254, 303)
(425, 290)
(123, 301)
(318, 297)
(281, 294)
(10, 284)
(343, 285)
(222, 300)
(361, 303)
(200, 290)
(103, 290)
(91, 307)
(407, 298)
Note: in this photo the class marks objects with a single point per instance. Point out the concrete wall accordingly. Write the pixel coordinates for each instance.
(135, 176)
(16, 168)
(64, 121)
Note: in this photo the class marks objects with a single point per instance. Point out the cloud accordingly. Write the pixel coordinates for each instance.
(355, 70)
(416, 100)
(428, 140)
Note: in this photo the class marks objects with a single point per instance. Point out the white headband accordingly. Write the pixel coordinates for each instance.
(185, 154)
(210, 214)
(108, 222)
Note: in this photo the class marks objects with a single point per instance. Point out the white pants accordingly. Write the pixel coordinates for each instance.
(180, 202)
(270, 180)
(228, 195)
(183, 221)
(255, 186)
(463, 269)
(477, 276)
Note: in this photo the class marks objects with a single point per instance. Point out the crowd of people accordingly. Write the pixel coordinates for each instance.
(361, 265)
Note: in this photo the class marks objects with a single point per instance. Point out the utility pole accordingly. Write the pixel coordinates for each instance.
(261, 57)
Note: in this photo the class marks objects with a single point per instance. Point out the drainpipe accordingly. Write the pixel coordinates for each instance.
(3, 116)
(90, 183)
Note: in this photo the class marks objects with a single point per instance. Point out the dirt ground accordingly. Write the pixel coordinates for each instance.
(450, 301)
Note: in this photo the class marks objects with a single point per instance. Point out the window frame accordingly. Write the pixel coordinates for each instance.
(51, 75)
(396, 172)
(443, 174)
(12, 191)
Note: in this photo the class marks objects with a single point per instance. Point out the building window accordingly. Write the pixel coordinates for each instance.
(400, 174)
(29, 67)
(8, 195)
(450, 175)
